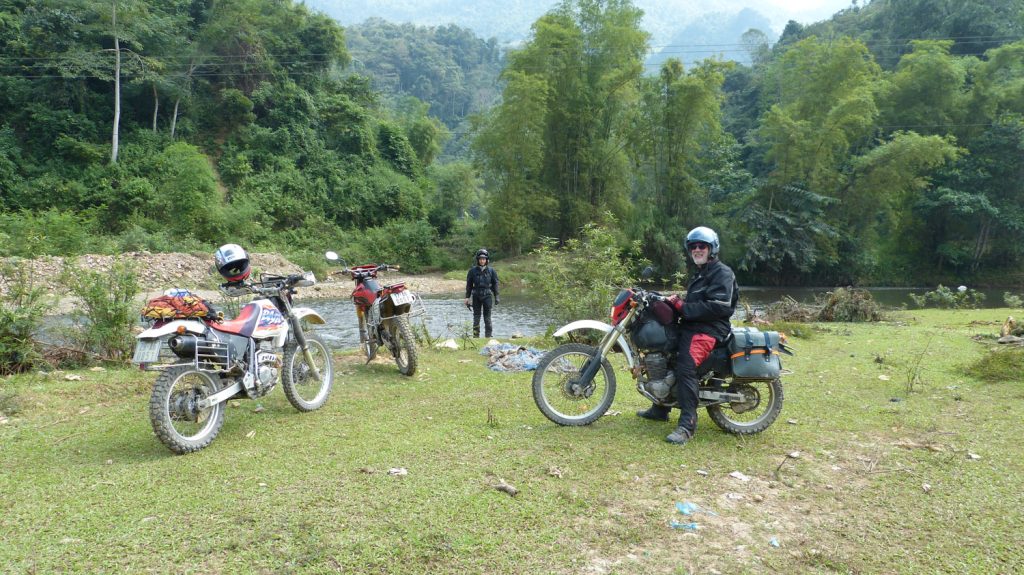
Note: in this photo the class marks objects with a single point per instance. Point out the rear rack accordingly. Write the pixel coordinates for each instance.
(210, 356)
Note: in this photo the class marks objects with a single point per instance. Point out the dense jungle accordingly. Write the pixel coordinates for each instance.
(879, 147)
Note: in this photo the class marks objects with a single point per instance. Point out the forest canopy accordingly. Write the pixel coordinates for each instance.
(881, 146)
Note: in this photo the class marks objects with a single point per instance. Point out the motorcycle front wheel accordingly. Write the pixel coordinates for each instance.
(173, 409)
(761, 407)
(304, 391)
(369, 345)
(560, 395)
(403, 345)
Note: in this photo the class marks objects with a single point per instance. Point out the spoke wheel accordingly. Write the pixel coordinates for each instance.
(760, 408)
(304, 391)
(403, 345)
(559, 393)
(174, 412)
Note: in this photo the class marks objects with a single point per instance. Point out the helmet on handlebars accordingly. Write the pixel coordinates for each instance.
(482, 253)
(232, 262)
(705, 235)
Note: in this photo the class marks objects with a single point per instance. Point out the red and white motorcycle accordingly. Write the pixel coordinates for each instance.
(383, 313)
(204, 361)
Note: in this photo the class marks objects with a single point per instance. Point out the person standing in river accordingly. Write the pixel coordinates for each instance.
(482, 291)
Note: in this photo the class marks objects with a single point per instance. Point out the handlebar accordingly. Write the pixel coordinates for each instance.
(367, 270)
(269, 285)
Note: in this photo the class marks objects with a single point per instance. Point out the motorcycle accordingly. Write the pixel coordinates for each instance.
(739, 382)
(205, 361)
(384, 313)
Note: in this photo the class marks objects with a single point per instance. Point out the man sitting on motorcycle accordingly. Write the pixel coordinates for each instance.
(704, 314)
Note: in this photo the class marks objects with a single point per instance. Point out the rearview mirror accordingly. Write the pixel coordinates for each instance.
(332, 256)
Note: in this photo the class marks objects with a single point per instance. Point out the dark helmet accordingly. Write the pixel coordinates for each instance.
(232, 262)
(703, 234)
(482, 253)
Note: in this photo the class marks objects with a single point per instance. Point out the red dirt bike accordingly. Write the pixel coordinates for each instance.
(384, 313)
(739, 382)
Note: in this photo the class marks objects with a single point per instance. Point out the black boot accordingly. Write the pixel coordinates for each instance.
(655, 413)
(681, 436)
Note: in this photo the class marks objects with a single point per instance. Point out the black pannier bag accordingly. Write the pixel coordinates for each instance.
(754, 353)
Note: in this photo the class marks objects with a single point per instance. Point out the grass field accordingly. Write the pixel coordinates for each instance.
(904, 464)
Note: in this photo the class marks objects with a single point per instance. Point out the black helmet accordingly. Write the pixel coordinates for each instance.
(232, 262)
(703, 234)
(482, 253)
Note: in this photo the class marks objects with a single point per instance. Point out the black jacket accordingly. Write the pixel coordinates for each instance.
(481, 280)
(711, 300)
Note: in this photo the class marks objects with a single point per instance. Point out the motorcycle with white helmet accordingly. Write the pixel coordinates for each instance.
(203, 360)
(738, 382)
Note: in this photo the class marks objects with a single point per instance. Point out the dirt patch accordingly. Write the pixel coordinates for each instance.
(195, 272)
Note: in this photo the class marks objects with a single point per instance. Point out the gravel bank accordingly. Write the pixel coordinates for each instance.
(158, 272)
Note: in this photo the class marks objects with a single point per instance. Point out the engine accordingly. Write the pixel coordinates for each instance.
(268, 367)
(659, 380)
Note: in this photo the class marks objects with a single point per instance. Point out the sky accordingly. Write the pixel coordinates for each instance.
(661, 16)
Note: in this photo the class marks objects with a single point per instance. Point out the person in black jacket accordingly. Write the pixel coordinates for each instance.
(481, 285)
(710, 301)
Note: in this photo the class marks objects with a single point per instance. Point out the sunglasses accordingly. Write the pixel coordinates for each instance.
(699, 246)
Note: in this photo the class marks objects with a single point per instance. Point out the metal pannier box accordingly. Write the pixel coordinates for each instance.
(754, 354)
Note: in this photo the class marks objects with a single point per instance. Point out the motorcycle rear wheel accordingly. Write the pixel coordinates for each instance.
(176, 420)
(403, 345)
(558, 394)
(303, 390)
(760, 411)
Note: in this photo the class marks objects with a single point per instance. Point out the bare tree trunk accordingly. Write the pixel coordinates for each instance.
(174, 117)
(117, 88)
(156, 105)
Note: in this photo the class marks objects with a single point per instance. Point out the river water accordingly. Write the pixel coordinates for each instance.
(447, 317)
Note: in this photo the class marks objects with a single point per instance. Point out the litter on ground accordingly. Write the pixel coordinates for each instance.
(508, 357)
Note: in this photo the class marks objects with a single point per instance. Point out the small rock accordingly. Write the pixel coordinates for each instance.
(517, 335)
(97, 368)
(734, 496)
(555, 472)
(926, 487)
(73, 377)
(506, 488)
(973, 456)
(251, 434)
(702, 472)
(493, 341)
(448, 344)
(398, 471)
(740, 476)
(791, 421)
(367, 470)
(147, 519)
(883, 377)
(259, 409)
(758, 497)
(794, 455)
(261, 484)
(110, 462)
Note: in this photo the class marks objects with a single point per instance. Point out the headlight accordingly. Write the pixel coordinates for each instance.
(307, 280)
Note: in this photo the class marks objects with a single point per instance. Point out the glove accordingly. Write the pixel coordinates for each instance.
(676, 303)
(467, 304)
(497, 300)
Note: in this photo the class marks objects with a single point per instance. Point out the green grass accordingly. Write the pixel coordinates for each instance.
(87, 488)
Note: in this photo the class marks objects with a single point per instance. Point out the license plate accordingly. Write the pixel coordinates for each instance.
(402, 297)
(147, 351)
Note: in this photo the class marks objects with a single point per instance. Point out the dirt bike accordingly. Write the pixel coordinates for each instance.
(205, 361)
(739, 382)
(384, 313)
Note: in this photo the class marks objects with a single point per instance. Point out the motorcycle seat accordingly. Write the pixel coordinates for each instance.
(242, 325)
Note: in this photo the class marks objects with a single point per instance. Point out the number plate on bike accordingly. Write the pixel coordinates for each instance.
(147, 351)
(402, 297)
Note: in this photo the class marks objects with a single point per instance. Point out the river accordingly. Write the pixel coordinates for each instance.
(447, 317)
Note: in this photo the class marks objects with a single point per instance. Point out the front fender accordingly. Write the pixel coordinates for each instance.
(587, 324)
(303, 314)
(191, 326)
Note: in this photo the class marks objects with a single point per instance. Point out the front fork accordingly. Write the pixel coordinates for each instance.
(300, 337)
(605, 347)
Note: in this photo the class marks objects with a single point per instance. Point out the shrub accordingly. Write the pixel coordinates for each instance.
(581, 279)
(945, 298)
(1002, 364)
(1012, 300)
(21, 314)
(109, 311)
(849, 304)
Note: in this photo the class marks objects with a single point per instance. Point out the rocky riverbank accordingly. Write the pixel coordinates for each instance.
(195, 272)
